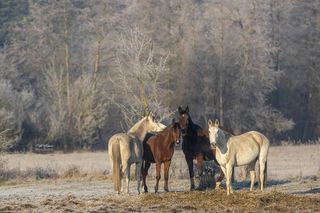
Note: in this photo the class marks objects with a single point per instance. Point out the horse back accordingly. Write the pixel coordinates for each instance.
(249, 145)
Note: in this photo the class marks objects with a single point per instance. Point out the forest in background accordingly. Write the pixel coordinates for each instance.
(74, 72)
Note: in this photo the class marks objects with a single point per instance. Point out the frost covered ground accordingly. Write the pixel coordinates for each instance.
(80, 182)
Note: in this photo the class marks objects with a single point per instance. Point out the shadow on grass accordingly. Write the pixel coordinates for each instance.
(246, 184)
(310, 191)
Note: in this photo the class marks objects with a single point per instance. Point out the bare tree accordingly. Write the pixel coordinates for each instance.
(140, 81)
(13, 106)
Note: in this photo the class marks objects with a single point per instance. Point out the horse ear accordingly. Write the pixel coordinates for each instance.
(210, 122)
(216, 123)
(147, 115)
(179, 109)
(173, 121)
(187, 109)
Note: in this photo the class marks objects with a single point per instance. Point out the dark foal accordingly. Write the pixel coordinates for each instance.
(196, 145)
(159, 149)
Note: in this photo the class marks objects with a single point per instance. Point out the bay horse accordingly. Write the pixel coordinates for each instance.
(244, 149)
(196, 145)
(125, 149)
(159, 149)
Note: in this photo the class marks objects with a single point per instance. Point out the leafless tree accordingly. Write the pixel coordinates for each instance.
(140, 82)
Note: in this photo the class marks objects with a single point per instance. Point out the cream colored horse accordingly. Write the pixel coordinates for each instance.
(240, 150)
(125, 149)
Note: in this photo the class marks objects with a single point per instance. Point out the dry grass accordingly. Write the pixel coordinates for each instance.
(241, 201)
(208, 201)
(58, 165)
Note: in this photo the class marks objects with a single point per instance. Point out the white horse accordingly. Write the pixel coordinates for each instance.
(125, 149)
(240, 150)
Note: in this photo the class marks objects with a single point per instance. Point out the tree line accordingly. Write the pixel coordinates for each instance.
(74, 72)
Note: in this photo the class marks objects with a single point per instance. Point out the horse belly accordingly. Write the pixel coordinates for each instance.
(245, 157)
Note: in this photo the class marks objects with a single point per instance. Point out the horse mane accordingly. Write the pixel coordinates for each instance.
(222, 141)
(168, 128)
(135, 127)
(192, 126)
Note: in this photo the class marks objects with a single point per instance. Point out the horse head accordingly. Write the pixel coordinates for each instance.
(152, 125)
(213, 131)
(176, 131)
(184, 119)
(145, 125)
(216, 135)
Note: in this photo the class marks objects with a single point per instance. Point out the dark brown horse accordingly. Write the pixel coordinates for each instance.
(159, 149)
(196, 145)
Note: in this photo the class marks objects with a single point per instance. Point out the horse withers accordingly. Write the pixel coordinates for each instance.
(125, 149)
(159, 149)
(241, 150)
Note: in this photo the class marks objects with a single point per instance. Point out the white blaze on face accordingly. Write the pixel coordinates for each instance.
(213, 135)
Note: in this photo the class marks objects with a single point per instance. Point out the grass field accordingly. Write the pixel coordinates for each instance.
(80, 182)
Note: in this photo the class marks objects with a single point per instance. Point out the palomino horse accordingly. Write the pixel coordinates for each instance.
(125, 149)
(196, 145)
(159, 149)
(244, 149)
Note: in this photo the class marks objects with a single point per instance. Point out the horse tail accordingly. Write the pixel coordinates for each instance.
(265, 175)
(263, 159)
(116, 159)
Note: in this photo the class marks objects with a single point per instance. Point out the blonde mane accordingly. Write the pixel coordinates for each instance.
(135, 127)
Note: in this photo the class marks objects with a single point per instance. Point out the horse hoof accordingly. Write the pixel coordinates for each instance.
(201, 188)
(192, 188)
(167, 190)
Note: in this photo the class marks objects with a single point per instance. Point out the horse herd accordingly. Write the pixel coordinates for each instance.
(149, 142)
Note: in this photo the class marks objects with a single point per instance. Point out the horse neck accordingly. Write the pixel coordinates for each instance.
(167, 134)
(138, 130)
(222, 142)
(192, 126)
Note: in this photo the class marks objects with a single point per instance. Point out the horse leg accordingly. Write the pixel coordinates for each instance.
(191, 173)
(158, 176)
(166, 174)
(224, 171)
(138, 174)
(228, 177)
(199, 164)
(126, 172)
(220, 178)
(222, 174)
(262, 165)
(252, 174)
(144, 175)
(243, 173)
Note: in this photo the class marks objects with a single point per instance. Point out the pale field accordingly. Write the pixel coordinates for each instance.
(284, 162)
(293, 185)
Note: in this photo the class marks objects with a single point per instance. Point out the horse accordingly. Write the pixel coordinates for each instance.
(159, 149)
(125, 149)
(244, 149)
(196, 145)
